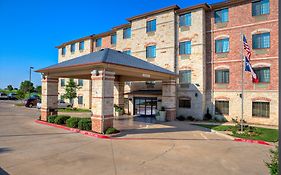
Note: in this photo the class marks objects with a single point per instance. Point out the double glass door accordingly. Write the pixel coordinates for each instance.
(145, 106)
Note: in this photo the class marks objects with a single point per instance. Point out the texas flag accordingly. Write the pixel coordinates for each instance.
(249, 68)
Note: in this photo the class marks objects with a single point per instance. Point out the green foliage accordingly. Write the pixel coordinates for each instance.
(61, 119)
(26, 87)
(20, 94)
(85, 124)
(72, 122)
(74, 110)
(70, 90)
(111, 131)
(118, 108)
(10, 88)
(38, 89)
(51, 119)
(273, 166)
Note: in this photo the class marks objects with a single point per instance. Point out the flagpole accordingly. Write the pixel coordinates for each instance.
(242, 77)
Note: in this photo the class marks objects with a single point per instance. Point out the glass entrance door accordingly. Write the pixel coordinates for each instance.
(145, 106)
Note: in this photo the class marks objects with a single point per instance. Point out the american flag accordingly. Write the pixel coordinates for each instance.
(246, 47)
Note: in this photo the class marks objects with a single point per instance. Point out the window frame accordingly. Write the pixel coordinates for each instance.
(186, 103)
(222, 111)
(151, 25)
(81, 45)
(260, 39)
(72, 47)
(98, 42)
(153, 51)
(259, 3)
(115, 39)
(186, 50)
(224, 80)
(259, 112)
(218, 19)
(80, 100)
(183, 22)
(127, 33)
(257, 71)
(222, 45)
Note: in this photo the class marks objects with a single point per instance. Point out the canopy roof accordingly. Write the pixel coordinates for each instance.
(122, 64)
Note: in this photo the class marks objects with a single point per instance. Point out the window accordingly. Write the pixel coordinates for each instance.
(150, 51)
(62, 82)
(184, 103)
(260, 7)
(126, 33)
(81, 45)
(151, 26)
(222, 76)
(72, 48)
(185, 77)
(221, 16)
(80, 100)
(63, 51)
(263, 74)
(221, 107)
(185, 19)
(127, 52)
(261, 41)
(150, 84)
(98, 42)
(185, 48)
(80, 82)
(222, 45)
(260, 109)
(113, 39)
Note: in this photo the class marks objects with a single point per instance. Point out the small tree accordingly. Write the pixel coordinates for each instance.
(10, 87)
(26, 87)
(70, 90)
(38, 89)
(20, 94)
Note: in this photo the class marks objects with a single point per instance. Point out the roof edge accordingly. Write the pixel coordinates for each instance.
(74, 41)
(227, 3)
(205, 6)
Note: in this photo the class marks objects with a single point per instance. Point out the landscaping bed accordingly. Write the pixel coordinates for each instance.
(74, 110)
(250, 132)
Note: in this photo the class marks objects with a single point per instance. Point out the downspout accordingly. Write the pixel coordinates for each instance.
(175, 53)
(102, 109)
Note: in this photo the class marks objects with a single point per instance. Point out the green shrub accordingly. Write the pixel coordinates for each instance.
(51, 118)
(61, 119)
(111, 131)
(85, 124)
(72, 122)
(273, 166)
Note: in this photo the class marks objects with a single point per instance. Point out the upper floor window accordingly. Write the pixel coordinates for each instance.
(151, 26)
(81, 45)
(62, 82)
(222, 45)
(221, 16)
(80, 100)
(185, 48)
(222, 107)
(261, 41)
(260, 7)
(113, 39)
(72, 47)
(63, 51)
(184, 77)
(222, 76)
(185, 19)
(151, 51)
(98, 42)
(127, 33)
(127, 52)
(80, 82)
(260, 109)
(263, 74)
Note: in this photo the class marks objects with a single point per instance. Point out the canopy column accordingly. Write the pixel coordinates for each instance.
(119, 93)
(169, 98)
(102, 100)
(49, 102)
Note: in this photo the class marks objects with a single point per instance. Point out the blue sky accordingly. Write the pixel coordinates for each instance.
(30, 29)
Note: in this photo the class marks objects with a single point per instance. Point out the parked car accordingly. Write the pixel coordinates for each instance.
(3, 96)
(12, 96)
(61, 104)
(32, 101)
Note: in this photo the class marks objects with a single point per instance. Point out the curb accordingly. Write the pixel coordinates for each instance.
(87, 133)
(252, 141)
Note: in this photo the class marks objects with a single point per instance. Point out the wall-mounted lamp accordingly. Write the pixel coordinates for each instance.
(198, 85)
(196, 95)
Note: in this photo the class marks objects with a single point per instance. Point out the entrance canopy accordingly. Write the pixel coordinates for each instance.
(126, 67)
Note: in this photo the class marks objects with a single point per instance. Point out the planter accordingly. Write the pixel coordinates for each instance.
(162, 116)
(117, 114)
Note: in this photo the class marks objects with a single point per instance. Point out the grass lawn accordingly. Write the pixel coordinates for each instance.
(265, 134)
(74, 110)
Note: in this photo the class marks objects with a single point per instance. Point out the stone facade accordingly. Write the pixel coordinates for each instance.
(203, 61)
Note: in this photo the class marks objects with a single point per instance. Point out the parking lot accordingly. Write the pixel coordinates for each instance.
(169, 148)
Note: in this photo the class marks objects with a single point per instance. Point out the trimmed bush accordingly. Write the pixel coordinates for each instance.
(85, 124)
(51, 118)
(111, 131)
(72, 122)
(180, 118)
(190, 118)
(61, 119)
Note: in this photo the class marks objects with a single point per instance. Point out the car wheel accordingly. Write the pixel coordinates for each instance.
(30, 105)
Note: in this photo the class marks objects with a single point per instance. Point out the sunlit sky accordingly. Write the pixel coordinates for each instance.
(30, 29)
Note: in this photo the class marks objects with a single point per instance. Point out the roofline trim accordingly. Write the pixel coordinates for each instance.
(205, 6)
(75, 41)
(227, 3)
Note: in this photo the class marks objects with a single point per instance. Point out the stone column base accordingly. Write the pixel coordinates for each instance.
(45, 113)
(99, 126)
(170, 114)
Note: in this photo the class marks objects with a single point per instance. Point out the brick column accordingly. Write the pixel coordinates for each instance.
(169, 98)
(49, 102)
(102, 100)
(119, 93)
